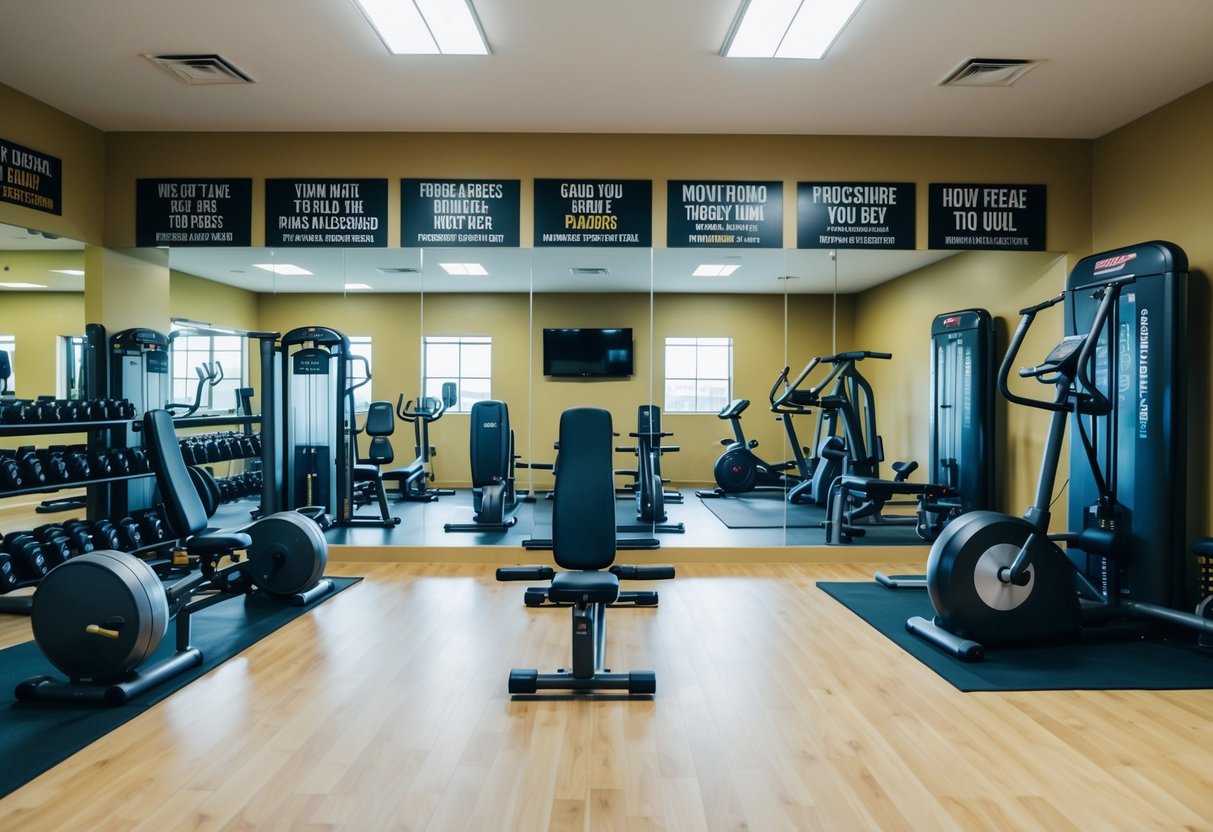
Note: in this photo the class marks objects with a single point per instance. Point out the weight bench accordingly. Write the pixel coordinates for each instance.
(854, 498)
(583, 542)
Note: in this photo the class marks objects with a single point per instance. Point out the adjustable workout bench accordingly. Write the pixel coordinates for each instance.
(583, 542)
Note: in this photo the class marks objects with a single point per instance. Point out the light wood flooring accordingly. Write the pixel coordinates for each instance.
(386, 708)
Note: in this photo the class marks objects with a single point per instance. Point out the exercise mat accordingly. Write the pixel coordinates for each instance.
(1137, 664)
(762, 510)
(34, 736)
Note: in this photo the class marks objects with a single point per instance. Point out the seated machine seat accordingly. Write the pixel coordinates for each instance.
(587, 587)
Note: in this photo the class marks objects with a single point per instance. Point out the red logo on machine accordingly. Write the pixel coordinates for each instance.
(952, 321)
(1113, 264)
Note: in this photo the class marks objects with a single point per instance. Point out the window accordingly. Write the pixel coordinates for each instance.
(8, 343)
(698, 374)
(360, 348)
(466, 360)
(192, 350)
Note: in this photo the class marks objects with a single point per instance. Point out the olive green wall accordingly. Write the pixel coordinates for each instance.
(1153, 180)
(29, 122)
(37, 319)
(213, 303)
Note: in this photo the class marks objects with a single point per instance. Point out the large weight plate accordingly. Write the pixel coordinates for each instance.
(112, 590)
(288, 553)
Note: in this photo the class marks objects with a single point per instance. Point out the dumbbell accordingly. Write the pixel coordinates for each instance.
(48, 411)
(10, 473)
(26, 552)
(53, 464)
(78, 467)
(120, 464)
(81, 536)
(16, 412)
(57, 547)
(152, 526)
(138, 460)
(32, 472)
(8, 576)
(129, 536)
(105, 535)
(100, 464)
(91, 410)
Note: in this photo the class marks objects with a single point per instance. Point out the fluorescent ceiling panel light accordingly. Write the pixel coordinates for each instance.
(76, 272)
(282, 268)
(23, 285)
(357, 286)
(709, 270)
(788, 28)
(474, 269)
(425, 27)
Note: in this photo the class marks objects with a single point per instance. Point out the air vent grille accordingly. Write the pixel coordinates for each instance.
(589, 271)
(398, 270)
(989, 72)
(201, 69)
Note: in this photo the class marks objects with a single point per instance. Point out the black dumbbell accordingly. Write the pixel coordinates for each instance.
(80, 535)
(16, 412)
(126, 409)
(138, 460)
(152, 526)
(99, 462)
(8, 577)
(31, 468)
(78, 467)
(92, 410)
(105, 535)
(53, 465)
(129, 536)
(56, 549)
(26, 552)
(120, 464)
(10, 473)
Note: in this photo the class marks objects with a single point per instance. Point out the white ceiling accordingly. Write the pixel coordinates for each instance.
(619, 66)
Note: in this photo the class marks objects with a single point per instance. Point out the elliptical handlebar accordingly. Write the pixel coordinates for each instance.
(1027, 316)
(408, 413)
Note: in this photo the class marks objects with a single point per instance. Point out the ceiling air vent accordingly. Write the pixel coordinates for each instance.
(397, 270)
(588, 271)
(988, 72)
(200, 69)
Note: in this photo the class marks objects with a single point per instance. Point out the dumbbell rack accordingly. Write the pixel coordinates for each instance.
(48, 428)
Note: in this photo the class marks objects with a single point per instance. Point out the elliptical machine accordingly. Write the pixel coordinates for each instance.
(997, 578)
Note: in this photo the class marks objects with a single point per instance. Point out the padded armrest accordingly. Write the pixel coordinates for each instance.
(631, 572)
(525, 573)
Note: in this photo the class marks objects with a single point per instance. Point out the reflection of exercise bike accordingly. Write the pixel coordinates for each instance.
(413, 479)
(738, 469)
(995, 577)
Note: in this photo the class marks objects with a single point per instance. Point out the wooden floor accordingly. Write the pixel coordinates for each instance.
(386, 708)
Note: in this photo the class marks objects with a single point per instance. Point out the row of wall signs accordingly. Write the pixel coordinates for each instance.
(587, 212)
(567, 212)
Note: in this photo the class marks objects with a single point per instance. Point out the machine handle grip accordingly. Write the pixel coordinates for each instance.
(98, 630)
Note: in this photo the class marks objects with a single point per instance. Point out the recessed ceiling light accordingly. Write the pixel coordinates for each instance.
(710, 270)
(76, 272)
(282, 268)
(23, 285)
(357, 286)
(787, 28)
(465, 268)
(426, 27)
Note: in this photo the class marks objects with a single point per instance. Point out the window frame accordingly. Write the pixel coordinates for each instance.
(464, 403)
(698, 342)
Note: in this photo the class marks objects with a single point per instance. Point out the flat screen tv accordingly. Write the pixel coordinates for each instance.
(587, 353)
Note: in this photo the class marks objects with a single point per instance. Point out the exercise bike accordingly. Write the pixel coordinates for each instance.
(739, 469)
(413, 479)
(997, 578)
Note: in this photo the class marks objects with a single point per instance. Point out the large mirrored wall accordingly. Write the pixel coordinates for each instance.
(708, 327)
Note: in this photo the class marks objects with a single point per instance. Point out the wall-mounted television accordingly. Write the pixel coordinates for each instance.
(587, 353)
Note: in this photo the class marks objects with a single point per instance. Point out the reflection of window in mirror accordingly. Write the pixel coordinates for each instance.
(698, 374)
(466, 360)
(70, 381)
(360, 370)
(8, 344)
(208, 362)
